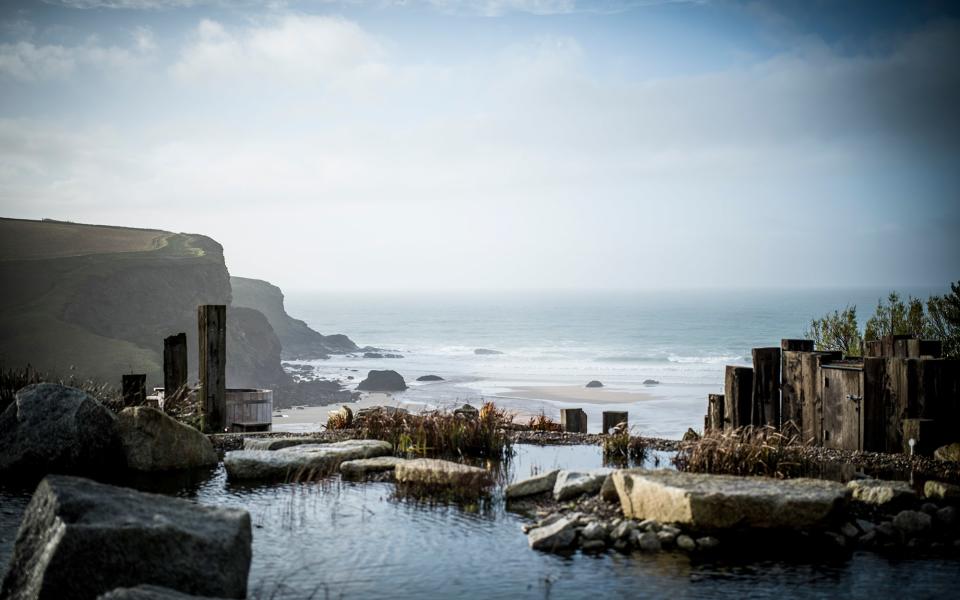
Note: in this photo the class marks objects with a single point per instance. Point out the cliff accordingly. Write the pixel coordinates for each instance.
(97, 301)
(296, 338)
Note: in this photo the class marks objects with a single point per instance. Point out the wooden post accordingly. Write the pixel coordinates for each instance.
(174, 364)
(810, 391)
(917, 348)
(573, 420)
(922, 432)
(613, 418)
(134, 389)
(212, 329)
(873, 348)
(715, 406)
(791, 390)
(796, 345)
(737, 390)
(765, 404)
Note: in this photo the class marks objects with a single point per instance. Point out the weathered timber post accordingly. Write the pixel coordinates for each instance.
(174, 364)
(923, 433)
(573, 420)
(875, 405)
(134, 389)
(765, 404)
(873, 349)
(917, 348)
(613, 418)
(812, 399)
(212, 329)
(714, 413)
(796, 345)
(737, 390)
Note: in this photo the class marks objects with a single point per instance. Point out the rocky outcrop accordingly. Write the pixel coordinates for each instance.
(51, 428)
(383, 381)
(253, 351)
(296, 337)
(539, 484)
(486, 352)
(723, 501)
(306, 461)
(80, 539)
(594, 384)
(152, 441)
(429, 378)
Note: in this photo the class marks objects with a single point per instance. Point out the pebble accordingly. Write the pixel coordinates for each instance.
(594, 531)
(649, 525)
(886, 529)
(912, 522)
(685, 542)
(593, 546)
(865, 526)
(623, 530)
(849, 530)
(929, 507)
(648, 542)
(947, 516)
(667, 538)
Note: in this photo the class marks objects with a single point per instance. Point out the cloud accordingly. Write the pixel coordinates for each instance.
(293, 48)
(31, 62)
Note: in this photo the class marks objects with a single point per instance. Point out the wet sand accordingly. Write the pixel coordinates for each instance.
(574, 394)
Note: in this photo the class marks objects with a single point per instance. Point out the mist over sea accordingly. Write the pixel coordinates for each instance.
(682, 339)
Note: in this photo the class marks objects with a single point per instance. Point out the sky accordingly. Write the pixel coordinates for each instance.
(499, 144)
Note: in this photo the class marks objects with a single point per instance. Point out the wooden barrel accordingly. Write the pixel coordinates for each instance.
(249, 410)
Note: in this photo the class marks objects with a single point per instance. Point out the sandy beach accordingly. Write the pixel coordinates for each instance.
(312, 418)
(574, 394)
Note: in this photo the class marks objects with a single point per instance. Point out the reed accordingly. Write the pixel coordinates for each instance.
(622, 449)
(441, 433)
(542, 422)
(746, 451)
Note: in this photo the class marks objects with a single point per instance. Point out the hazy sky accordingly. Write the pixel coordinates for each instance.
(395, 145)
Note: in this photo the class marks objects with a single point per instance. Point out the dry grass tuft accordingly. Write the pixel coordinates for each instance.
(542, 422)
(340, 419)
(620, 448)
(746, 451)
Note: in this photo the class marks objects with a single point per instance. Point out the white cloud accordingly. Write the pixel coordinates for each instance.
(293, 48)
(27, 61)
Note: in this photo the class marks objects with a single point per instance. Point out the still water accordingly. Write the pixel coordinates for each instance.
(340, 539)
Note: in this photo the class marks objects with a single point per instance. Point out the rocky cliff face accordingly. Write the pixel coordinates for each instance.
(296, 338)
(105, 309)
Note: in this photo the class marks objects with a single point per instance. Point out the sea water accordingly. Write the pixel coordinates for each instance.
(681, 339)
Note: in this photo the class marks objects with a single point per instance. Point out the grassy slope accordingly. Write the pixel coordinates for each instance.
(45, 264)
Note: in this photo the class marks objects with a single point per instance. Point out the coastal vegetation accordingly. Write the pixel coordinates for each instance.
(622, 449)
(745, 451)
(938, 318)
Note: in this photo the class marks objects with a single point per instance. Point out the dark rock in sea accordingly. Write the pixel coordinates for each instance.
(372, 355)
(80, 539)
(152, 441)
(382, 381)
(650, 382)
(429, 378)
(595, 384)
(486, 351)
(54, 428)
(470, 412)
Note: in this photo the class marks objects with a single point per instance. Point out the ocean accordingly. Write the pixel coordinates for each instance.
(681, 339)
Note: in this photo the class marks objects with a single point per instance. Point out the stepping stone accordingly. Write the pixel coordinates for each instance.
(300, 462)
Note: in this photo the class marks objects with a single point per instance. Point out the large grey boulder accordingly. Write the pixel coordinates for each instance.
(277, 443)
(52, 428)
(357, 469)
(571, 484)
(538, 484)
(705, 501)
(881, 492)
(300, 462)
(154, 441)
(382, 381)
(443, 474)
(554, 537)
(149, 592)
(80, 539)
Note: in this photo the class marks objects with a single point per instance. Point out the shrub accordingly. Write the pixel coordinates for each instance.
(745, 451)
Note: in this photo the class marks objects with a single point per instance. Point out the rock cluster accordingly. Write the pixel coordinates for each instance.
(382, 381)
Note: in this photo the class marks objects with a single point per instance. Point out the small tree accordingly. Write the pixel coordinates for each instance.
(837, 331)
(896, 317)
(944, 320)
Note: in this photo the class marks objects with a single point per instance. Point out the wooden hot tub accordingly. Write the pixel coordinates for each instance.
(249, 410)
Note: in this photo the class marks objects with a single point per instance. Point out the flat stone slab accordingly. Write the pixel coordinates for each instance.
(277, 443)
(300, 462)
(879, 492)
(442, 473)
(539, 484)
(571, 484)
(357, 469)
(80, 539)
(554, 537)
(704, 501)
